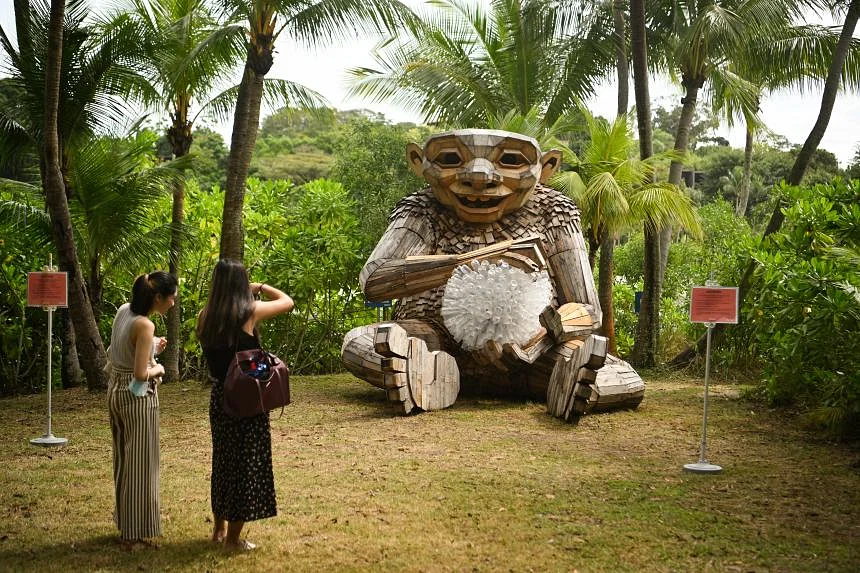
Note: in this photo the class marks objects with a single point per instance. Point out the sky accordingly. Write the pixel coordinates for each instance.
(790, 114)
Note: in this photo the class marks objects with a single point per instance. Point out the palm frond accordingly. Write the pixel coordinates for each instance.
(311, 23)
(735, 97)
(663, 205)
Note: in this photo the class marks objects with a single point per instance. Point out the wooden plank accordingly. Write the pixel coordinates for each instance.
(599, 348)
(395, 380)
(391, 340)
(393, 364)
(550, 319)
(416, 371)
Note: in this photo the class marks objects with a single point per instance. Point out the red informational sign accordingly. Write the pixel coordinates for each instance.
(47, 289)
(714, 304)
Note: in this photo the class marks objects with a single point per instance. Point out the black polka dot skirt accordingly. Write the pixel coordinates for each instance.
(243, 484)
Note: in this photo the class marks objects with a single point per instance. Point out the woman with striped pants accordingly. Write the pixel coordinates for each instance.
(133, 406)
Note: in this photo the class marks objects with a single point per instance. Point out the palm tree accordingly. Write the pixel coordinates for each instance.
(92, 353)
(697, 41)
(460, 65)
(796, 57)
(113, 211)
(648, 325)
(835, 74)
(51, 120)
(310, 21)
(186, 54)
(615, 191)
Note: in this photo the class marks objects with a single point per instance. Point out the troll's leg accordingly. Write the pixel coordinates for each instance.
(413, 376)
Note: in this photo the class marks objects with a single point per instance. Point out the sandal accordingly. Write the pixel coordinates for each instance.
(242, 545)
(137, 544)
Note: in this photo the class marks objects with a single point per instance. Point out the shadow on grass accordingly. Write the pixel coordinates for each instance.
(105, 551)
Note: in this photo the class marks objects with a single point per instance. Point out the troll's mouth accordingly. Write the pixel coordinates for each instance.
(481, 201)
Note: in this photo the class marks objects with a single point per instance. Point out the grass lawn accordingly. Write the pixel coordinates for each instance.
(486, 485)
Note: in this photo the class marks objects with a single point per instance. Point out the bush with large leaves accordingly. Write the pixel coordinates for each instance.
(304, 240)
(805, 307)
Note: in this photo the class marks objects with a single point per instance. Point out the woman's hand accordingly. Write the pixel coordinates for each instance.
(159, 343)
(156, 371)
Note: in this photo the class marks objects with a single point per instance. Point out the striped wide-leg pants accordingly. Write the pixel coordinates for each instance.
(134, 426)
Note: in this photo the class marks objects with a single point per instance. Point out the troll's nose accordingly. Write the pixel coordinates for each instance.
(479, 174)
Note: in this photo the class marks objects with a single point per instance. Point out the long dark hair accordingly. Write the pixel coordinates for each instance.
(145, 288)
(229, 307)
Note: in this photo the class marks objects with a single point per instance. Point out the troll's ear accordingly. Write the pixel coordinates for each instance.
(550, 162)
(415, 158)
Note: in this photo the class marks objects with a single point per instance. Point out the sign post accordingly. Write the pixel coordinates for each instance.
(710, 304)
(48, 289)
(380, 307)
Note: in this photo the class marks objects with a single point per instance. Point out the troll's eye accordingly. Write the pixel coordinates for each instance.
(513, 159)
(448, 158)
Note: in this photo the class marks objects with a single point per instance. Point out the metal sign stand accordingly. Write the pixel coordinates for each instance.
(703, 466)
(49, 439)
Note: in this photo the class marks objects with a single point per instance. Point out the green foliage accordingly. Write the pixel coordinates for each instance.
(23, 331)
(302, 145)
(805, 306)
(704, 121)
(853, 171)
(623, 298)
(723, 168)
(300, 166)
(291, 122)
(305, 240)
(724, 249)
(370, 162)
(210, 158)
(823, 167)
(317, 262)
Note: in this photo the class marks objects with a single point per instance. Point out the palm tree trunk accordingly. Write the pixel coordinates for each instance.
(605, 280)
(621, 65)
(90, 348)
(180, 137)
(744, 195)
(95, 289)
(70, 368)
(245, 124)
(828, 98)
(172, 352)
(648, 326)
(606, 276)
(593, 245)
(682, 141)
(639, 53)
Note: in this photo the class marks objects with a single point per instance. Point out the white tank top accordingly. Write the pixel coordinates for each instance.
(121, 350)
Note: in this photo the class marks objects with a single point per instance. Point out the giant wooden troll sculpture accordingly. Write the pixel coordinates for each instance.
(486, 202)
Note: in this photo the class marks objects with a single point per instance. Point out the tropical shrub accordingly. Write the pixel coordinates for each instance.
(303, 239)
(623, 300)
(370, 162)
(805, 306)
(23, 330)
(723, 250)
(317, 261)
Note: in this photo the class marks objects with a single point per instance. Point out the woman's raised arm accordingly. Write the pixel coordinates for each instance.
(277, 302)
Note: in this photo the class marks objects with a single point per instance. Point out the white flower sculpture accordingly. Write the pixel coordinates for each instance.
(486, 301)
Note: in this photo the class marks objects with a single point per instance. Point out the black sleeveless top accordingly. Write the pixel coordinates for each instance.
(218, 358)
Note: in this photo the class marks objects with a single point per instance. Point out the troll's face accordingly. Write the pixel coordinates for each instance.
(481, 174)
